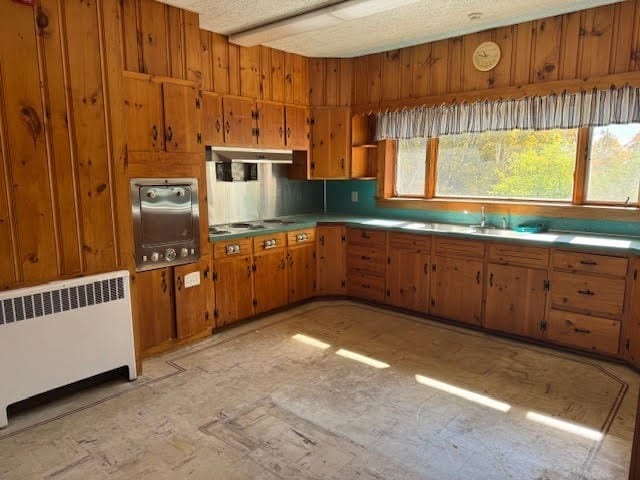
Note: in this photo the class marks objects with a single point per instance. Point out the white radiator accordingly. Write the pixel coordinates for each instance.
(61, 332)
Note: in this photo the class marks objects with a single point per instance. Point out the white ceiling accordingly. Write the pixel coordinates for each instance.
(424, 21)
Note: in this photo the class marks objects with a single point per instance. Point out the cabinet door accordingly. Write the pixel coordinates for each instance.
(239, 123)
(302, 272)
(155, 300)
(270, 124)
(144, 115)
(270, 281)
(332, 264)
(233, 280)
(193, 288)
(340, 138)
(633, 320)
(515, 299)
(408, 280)
(456, 289)
(297, 127)
(320, 144)
(182, 118)
(212, 133)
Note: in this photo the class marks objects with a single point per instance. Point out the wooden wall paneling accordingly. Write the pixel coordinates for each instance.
(8, 267)
(439, 67)
(375, 77)
(317, 81)
(193, 57)
(456, 62)
(277, 75)
(473, 79)
(131, 35)
(570, 46)
(250, 72)
(89, 120)
(421, 60)
(265, 74)
(220, 63)
(206, 61)
(25, 146)
(346, 82)
(360, 94)
(234, 69)
(597, 31)
(332, 82)
(521, 57)
(406, 73)
(501, 75)
(175, 22)
(546, 49)
(622, 36)
(300, 80)
(288, 77)
(391, 68)
(635, 46)
(153, 17)
(58, 124)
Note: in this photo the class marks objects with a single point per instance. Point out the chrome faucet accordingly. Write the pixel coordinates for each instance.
(483, 218)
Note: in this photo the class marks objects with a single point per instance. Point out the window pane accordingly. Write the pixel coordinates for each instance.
(614, 164)
(518, 164)
(411, 166)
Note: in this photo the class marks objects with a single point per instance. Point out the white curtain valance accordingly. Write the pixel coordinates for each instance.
(566, 110)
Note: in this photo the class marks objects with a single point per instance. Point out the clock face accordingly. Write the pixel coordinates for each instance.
(486, 56)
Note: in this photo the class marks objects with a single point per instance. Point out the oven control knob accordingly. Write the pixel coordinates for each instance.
(155, 256)
(236, 248)
(305, 236)
(170, 254)
(229, 249)
(184, 252)
(151, 194)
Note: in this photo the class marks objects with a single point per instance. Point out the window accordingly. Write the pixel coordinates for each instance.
(411, 166)
(599, 166)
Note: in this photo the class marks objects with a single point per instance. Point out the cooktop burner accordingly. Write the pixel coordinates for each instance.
(256, 227)
(240, 225)
(216, 231)
(279, 221)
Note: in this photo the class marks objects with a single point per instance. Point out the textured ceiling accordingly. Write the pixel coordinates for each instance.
(424, 21)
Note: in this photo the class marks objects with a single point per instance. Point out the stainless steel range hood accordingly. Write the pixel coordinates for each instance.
(249, 155)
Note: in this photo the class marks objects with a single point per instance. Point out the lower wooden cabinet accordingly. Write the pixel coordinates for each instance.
(233, 279)
(515, 300)
(332, 267)
(456, 289)
(270, 280)
(632, 344)
(586, 332)
(408, 272)
(301, 272)
(173, 304)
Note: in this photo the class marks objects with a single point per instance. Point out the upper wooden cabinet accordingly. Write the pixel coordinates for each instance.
(297, 127)
(248, 123)
(330, 152)
(212, 119)
(162, 116)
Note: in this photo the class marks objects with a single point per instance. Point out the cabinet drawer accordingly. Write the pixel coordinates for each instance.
(588, 293)
(518, 255)
(582, 331)
(405, 241)
(367, 286)
(459, 248)
(267, 243)
(366, 237)
(366, 259)
(237, 247)
(298, 237)
(590, 263)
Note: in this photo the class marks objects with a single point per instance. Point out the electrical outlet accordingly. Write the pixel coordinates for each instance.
(354, 196)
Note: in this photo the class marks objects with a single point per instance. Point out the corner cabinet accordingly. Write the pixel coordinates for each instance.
(162, 115)
(330, 153)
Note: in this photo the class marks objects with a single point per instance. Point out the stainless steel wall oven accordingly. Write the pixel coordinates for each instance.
(166, 221)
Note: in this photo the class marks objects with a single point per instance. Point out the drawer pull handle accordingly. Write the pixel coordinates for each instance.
(588, 262)
(586, 292)
(364, 257)
(364, 285)
(581, 330)
(478, 278)
(491, 280)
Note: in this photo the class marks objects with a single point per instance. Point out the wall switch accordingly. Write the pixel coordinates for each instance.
(354, 196)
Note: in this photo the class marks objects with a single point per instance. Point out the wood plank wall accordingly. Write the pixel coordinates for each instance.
(578, 46)
(56, 197)
(166, 41)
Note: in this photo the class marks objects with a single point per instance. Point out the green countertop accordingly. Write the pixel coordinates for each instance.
(578, 240)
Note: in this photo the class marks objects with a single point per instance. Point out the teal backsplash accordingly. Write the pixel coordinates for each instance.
(339, 201)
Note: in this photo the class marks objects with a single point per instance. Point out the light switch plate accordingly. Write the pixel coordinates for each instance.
(192, 279)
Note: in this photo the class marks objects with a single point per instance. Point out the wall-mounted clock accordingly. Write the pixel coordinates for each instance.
(486, 56)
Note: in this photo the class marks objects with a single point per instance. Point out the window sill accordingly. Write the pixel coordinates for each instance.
(507, 208)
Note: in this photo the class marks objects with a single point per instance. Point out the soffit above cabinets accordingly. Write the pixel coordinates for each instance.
(419, 22)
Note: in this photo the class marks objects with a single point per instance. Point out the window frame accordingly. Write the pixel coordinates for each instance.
(579, 191)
